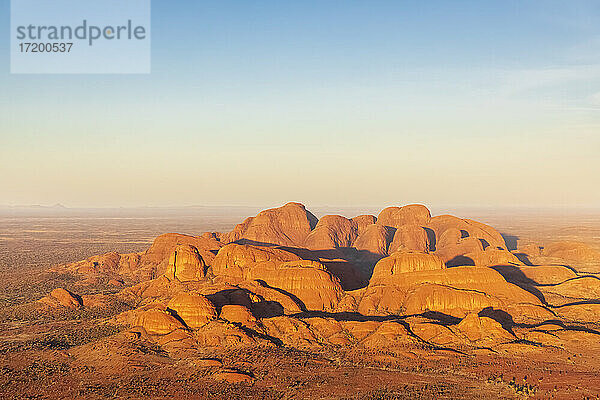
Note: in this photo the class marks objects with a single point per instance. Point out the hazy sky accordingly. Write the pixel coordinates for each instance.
(325, 102)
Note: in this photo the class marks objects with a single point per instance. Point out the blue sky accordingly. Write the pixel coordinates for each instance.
(327, 102)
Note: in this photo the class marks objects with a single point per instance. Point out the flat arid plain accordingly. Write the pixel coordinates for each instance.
(293, 302)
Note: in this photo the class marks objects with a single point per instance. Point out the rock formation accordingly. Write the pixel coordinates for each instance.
(483, 331)
(157, 321)
(288, 226)
(307, 280)
(193, 309)
(332, 231)
(389, 269)
(185, 264)
(62, 298)
(238, 314)
(410, 237)
(402, 280)
(396, 217)
(374, 239)
(362, 221)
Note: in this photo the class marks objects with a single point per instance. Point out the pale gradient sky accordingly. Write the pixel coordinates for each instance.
(325, 102)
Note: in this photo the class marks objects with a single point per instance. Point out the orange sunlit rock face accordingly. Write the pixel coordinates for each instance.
(401, 286)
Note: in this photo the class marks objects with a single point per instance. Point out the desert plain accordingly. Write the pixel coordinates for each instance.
(400, 302)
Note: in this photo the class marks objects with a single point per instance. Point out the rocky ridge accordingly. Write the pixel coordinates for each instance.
(401, 280)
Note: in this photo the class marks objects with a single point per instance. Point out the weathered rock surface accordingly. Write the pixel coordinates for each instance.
(400, 281)
(307, 280)
(454, 254)
(389, 269)
(113, 265)
(487, 235)
(483, 331)
(62, 297)
(236, 259)
(374, 239)
(159, 322)
(454, 291)
(287, 226)
(362, 221)
(447, 300)
(185, 264)
(138, 267)
(238, 314)
(332, 231)
(414, 214)
(157, 255)
(572, 290)
(537, 275)
(410, 237)
(193, 309)
(492, 257)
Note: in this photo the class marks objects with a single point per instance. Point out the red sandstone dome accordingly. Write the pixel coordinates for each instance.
(414, 214)
(185, 264)
(288, 225)
(410, 237)
(332, 231)
(374, 239)
(402, 262)
(193, 309)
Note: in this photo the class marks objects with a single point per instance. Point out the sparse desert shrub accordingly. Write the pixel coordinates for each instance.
(63, 338)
